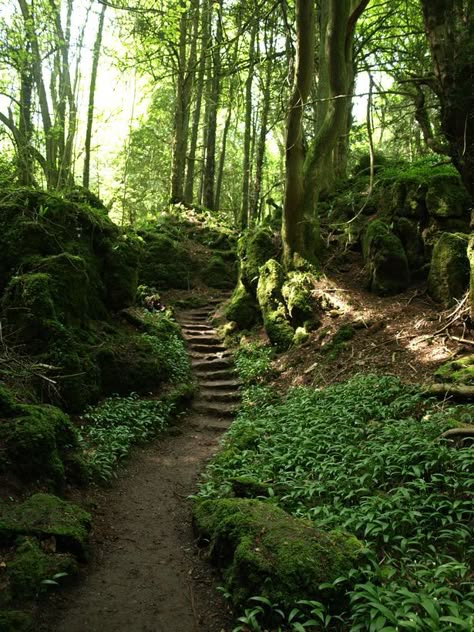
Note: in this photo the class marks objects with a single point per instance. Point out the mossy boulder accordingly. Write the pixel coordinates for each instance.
(297, 290)
(255, 247)
(121, 265)
(460, 371)
(448, 278)
(272, 305)
(446, 196)
(219, 273)
(35, 441)
(31, 567)
(165, 263)
(338, 342)
(385, 260)
(43, 516)
(408, 233)
(264, 551)
(242, 308)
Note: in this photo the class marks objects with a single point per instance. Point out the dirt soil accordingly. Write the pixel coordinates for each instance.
(406, 335)
(146, 573)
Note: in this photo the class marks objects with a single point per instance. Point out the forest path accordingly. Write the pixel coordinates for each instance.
(146, 575)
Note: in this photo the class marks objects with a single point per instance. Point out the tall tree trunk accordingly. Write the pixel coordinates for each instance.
(293, 215)
(449, 27)
(220, 169)
(201, 70)
(90, 108)
(262, 136)
(25, 129)
(244, 212)
(37, 72)
(213, 104)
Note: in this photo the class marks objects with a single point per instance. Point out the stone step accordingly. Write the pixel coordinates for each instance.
(216, 395)
(202, 355)
(218, 374)
(219, 384)
(219, 409)
(198, 330)
(207, 339)
(211, 364)
(202, 422)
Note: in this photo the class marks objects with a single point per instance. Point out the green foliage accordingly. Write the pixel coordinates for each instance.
(109, 430)
(365, 456)
(460, 371)
(253, 362)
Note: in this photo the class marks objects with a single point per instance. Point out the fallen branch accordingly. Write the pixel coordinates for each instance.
(458, 391)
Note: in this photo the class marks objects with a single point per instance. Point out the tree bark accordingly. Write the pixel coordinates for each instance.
(244, 209)
(449, 27)
(90, 108)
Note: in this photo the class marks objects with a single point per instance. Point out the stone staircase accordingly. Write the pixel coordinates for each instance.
(218, 396)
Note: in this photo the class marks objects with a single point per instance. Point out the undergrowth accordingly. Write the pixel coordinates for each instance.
(111, 429)
(364, 456)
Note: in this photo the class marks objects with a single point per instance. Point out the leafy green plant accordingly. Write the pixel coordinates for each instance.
(365, 456)
(253, 362)
(110, 429)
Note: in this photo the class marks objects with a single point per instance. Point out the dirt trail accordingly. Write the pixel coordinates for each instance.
(146, 574)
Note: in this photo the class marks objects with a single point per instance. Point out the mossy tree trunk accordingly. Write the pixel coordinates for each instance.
(307, 174)
(293, 209)
(449, 27)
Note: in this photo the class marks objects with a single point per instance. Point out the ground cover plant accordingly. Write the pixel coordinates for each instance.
(364, 456)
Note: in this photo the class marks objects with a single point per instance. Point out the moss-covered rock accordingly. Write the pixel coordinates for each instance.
(385, 260)
(333, 347)
(264, 551)
(36, 439)
(446, 197)
(460, 371)
(272, 305)
(219, 273)
(408, 233)
(121, 265)
(297, 290)
(43, 516)
(165, 263)
(31, 567)
(242, 308)
(449, 271)
(255, 247)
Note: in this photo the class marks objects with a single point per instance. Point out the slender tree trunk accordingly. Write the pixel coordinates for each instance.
(191, 158)
(213, 104)
(244, 212)
(261, 143)
(90, 108)
(25, 129)
(220, 170)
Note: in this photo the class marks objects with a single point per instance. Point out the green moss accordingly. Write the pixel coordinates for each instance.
(264, 551)
(302, 308)
(121, 271)
(408, 232)
(43, 516)
(8, 406)
(31, 566)
(446, 196)
(255, 247)
(449, 271)
(242, 308)
(35, 440)
(218, 273)
(15, 621)
(272, 305)
(165, 263)
(460, 371)
(385, 260)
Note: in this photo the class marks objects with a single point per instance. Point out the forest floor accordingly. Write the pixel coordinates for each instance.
(146, 573)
